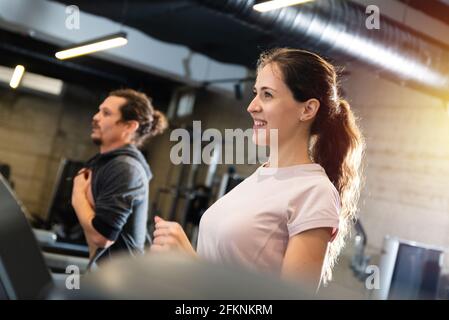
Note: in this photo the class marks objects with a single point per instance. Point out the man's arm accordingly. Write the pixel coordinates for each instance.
(85, 214)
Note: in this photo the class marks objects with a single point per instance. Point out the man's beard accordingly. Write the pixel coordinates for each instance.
(97, 141)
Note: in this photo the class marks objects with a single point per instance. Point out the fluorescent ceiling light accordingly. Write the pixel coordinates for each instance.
(33, 81)
(100, 44)
(277, 4)
(16, 76)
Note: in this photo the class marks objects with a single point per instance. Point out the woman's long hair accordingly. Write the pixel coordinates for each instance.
(336, 141)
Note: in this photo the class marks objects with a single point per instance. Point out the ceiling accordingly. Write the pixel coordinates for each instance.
(185, 22)
(182, 22)
(204, 30)
(438, 9)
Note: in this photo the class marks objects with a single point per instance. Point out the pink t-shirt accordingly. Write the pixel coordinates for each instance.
(252, 224)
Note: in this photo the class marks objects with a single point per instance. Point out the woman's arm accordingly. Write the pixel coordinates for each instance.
(305, 254)
(168, 236)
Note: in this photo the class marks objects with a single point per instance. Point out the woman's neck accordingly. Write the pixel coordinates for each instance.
(291, 152)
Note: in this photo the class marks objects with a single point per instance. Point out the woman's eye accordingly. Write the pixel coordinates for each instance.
(267, 95)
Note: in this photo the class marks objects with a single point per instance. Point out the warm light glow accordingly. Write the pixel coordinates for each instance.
(365, 49)
(92, 47)
(32, 81)
(277, 4)
(17, 76)
(377, 54)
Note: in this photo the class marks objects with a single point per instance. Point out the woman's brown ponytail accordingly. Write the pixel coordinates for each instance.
(336, 141)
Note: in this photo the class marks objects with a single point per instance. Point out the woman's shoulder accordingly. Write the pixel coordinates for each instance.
(324, 186)
(316, 188)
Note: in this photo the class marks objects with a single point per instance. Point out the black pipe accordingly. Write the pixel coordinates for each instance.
(321, 25)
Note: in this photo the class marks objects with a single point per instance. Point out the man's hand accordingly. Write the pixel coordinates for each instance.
(85, 212)
(170, 236)
(81, 185)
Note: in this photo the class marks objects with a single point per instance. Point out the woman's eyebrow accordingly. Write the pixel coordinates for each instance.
(264, 88)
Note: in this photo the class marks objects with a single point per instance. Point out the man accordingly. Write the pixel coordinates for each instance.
(110, 196)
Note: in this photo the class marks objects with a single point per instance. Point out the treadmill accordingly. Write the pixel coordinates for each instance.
(24, 271)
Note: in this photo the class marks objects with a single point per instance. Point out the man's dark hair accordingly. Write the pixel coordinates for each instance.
(138, 107)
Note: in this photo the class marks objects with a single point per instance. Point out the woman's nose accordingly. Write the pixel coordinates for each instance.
(254, 106)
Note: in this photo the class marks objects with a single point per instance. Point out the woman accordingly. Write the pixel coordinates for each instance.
(295, 220)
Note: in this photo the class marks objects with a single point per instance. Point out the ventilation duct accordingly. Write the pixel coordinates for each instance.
(337, 29)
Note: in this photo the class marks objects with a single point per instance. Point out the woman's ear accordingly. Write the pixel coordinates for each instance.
(310, 109)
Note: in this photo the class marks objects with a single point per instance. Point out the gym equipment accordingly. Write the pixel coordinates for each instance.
(409, 270)
(230, 180)
(177, 276)
(360, 261)
(24, 269)
(62, 218)
(5, 170)
(23, 272)
(189, 199)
